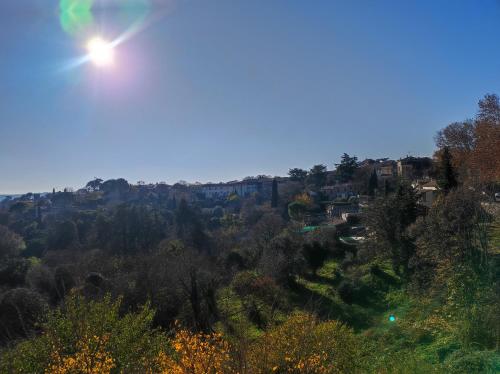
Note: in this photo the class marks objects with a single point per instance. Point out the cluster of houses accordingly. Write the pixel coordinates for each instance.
(344, 198)
(340, 199)
(221, 191)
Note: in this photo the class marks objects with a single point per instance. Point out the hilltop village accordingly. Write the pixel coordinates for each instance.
(332, 196)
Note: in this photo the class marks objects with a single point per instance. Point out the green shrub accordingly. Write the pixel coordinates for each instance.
(20, 310)
(472, 362)
(130, 340)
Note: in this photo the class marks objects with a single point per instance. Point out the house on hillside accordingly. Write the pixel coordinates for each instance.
(411, 168)
(223, 190)
(340, 191)
(427, 192)
(386, 169)
(337, 209)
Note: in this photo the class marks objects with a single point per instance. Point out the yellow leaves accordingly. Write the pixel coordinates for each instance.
(302, 344)
(305, 199)
(197, 353)
(91, 357)
(305, 345)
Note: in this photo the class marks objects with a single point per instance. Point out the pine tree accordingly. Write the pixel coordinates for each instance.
(447, 179)
(346, 168)
(317, 176)
(274, 194)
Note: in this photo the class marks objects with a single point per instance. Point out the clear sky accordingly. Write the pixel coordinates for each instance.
(219, 90)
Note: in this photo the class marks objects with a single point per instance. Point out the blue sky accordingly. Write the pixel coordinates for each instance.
(219, 90)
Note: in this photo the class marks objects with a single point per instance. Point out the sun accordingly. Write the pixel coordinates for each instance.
(100, 52)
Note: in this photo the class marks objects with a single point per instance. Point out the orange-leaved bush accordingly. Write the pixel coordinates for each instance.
(91, 357)
(197, 353)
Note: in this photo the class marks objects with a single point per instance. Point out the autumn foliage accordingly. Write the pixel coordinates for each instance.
(475, 144)
(305, 345)
(196, 353)
(89, 337)
(91, 357)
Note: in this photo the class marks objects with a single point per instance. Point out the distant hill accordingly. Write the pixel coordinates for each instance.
(3, 197)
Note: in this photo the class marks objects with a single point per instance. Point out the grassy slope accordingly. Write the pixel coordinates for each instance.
(495, 237)
(320, 294)
(411, 335)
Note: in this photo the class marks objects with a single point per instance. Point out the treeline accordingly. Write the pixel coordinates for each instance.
(474, 144)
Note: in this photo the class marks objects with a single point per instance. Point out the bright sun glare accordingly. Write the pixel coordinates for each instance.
(100, 52)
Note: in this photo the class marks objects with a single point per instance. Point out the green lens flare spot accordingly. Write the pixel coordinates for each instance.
(75, 15)
(392, 318)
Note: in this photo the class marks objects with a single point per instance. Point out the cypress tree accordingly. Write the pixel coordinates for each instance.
(447, 179)
(387, 187)
(274, 194)
(372, 183)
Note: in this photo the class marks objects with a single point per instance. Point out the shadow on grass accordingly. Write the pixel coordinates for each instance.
(329, 308)
(331, 277)
(319, 279)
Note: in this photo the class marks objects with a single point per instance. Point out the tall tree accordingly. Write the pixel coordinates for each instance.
(447, 178)
(347, 167)
(274, 194)
(388, 220)
(297, 174)
(315, 254)
(459, 137)
(63, 235)
(189, 226)
(11, 244)
(486, 157)
(317, 175)
(489, 109)
(373, 183)
(119, 185)
(94, 185)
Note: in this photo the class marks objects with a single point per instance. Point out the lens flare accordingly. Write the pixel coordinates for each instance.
(75, 15)
(100, 52)
(77, 19)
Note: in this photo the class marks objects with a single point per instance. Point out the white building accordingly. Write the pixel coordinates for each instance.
(223, 190)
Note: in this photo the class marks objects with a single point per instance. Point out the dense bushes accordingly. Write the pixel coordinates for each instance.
(89, 336)
(13, 272)
(20, 311)
(305, 345)
(464, 362)
(11, 244)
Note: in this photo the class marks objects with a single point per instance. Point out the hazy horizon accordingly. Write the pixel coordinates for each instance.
(170, 182)
(205, 92)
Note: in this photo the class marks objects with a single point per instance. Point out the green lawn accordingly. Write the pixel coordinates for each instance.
(320, 294)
